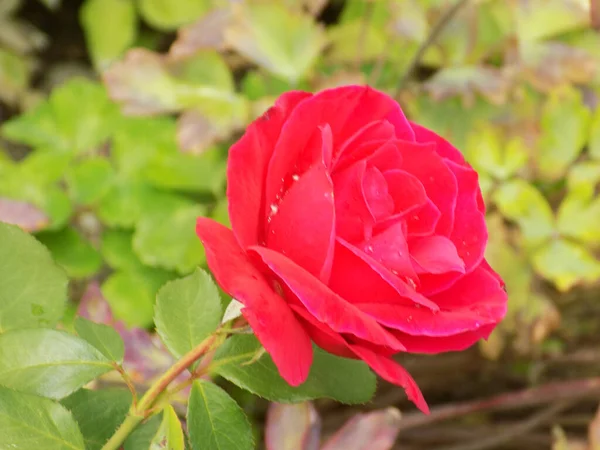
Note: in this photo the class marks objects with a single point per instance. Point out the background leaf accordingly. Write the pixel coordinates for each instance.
(33, 290)
(98, 413)
(215, 421)
(102, 337)
(48, 362)
(345, 380)
(29, 421)
(187, 311)
(169, 435)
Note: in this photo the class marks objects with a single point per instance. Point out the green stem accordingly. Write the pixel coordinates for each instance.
(140, 412)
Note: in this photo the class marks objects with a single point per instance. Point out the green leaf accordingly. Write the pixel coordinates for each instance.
(110, 28)
(32, 422)
(345, 380)
(102, 337)
(187, 311)
(186, 172)
(77, 117)
(54, 364)
(215, 421)
(522, 203)
(166, 237)
(488, 152)
(170, 15)
(33, 289)
(142, 436)
(72, 252)
(540, 19)
(14, 76)
(170, 434)
(283, 42)
(594, 142)
(129, 298)
(566, 264)
(90, 180)
(564, 132)
(98, 413)
(117, 250)
(123, 204)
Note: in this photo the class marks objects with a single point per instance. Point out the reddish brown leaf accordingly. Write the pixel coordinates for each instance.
(292, 427)
(195, 133)
(22, 214)
(373, 431)
(208, 33)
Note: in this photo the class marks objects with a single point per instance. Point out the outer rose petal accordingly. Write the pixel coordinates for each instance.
(393, 372)
(247, 167)
(438, 180)
(444, 148)
(303, 225)
(434, 345)
(380, 363)
(436, 254)
(346, 109)
(323, 303)
(268, 314)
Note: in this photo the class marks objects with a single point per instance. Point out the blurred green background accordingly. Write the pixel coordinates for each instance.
(116, 117)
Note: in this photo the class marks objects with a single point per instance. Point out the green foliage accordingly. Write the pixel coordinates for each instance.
(102, 337)
(169, 434)
(345, 380)
(142, 436)
(215, 420)
(55, 363)
(33, 290)
(188, 310)
(98, 413)
(29, 422)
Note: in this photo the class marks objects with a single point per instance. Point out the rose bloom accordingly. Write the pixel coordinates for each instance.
(357, 230)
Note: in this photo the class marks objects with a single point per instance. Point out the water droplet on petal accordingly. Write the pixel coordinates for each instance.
(295, 177)
(274, 209)
(369, 248)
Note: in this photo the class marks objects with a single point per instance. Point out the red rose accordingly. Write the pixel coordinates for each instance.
(356, 229)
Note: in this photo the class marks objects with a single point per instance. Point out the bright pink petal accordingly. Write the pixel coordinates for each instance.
(247, 167)
(479, 288)
(393, 372)
(444, 148)
(455, 343)
(268, 314)
(357, 277)
(379, 201)
(323, 303)
(353, 217)
(302, 227)
(438, 180)
(406, 190)
(435, 254)
(351, 149)
(345, 109)
(391, 250)
(425, 322)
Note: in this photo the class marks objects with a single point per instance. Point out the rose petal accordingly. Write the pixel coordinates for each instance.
(438, 180)
(346, 109)
(352, 149)
(323, 303)
(455, 343)
(478, 288)
(379, 202)
(444, 148)
(419, 321)
(406, 190)
(353, 217)
(435, 254)
(268, 314)
(247, 167)
(302, 227)
(393, 372)
(358, 278)
(391, 250)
